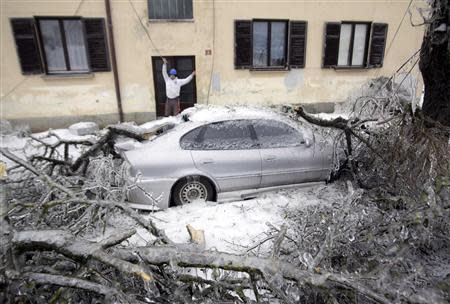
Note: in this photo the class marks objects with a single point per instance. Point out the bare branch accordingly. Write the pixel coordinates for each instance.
(44, 177)
(278, 240)
(64, 281)
(117, 238)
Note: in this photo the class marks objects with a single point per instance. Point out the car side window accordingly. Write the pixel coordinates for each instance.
(224, 135)
(228, 135)
(190, 141)
(276, 134)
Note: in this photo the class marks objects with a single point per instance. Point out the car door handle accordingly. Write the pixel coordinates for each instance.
(270, 158)
(207, 161)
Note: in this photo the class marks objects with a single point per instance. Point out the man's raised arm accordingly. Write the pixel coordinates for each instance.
(187, 79)
(164, 70)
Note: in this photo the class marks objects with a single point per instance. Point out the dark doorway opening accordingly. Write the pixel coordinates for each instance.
(184, 66)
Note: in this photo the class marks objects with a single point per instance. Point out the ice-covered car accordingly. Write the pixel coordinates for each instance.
(233, 155)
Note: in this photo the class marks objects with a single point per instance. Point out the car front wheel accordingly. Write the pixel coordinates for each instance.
(192, 188)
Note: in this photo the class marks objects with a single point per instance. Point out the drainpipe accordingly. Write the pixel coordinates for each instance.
(113, 59)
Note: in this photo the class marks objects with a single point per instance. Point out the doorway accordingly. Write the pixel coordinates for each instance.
(188, 93)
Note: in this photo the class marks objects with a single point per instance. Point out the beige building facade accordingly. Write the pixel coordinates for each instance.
(244, 52)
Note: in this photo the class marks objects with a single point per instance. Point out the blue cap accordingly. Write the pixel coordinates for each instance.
(173, 72)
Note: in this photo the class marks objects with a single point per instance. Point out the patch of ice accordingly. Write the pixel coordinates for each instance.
(202, 113)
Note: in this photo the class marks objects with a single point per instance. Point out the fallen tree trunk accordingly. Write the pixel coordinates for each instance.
(267, 267)
(182, 256)
(78, 249)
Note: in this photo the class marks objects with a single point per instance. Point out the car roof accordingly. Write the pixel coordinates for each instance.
(201, 115)
(208, 114)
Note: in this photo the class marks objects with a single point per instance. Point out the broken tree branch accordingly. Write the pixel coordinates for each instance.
(117, 238)
(278, 241)
(76, 248)
(44, 177)
(338, 123)
(249, 264)
(64, 281)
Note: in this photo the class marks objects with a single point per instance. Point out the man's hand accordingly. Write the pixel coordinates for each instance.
(193, 73)
(164, 60)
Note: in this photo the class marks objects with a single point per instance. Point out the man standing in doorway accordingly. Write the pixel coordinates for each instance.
(173, 86)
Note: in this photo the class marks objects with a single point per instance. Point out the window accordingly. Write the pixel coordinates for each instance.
(67, 45)
(269, 43)
(64, 45)
(353, 44)
(347, 44)
(275, 134)
(170, 9)
(226, 135)
(191, 140)
(264, 44)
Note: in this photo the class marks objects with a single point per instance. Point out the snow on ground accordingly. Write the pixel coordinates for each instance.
(235, 226)
(24, 146)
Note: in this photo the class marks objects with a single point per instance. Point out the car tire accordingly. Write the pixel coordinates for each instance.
(192, 188)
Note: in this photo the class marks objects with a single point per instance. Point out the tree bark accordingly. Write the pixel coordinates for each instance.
(435, 64)
(78, 249)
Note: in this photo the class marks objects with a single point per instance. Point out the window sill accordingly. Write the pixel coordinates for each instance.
(171, 20)
(350, 68)
(274, 69)
(68, 75)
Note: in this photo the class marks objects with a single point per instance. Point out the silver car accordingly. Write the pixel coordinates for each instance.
(225, 158)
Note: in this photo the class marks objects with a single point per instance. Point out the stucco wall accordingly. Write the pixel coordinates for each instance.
(37, 98)
(312, 84)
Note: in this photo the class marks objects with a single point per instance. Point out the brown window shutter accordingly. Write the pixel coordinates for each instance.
(377, 45)
(27, 45)
(97, 44)
(331, 44)
(297, 43)
(242, 44)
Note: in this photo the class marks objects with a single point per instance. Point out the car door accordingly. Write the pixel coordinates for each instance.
(287, 158)
(227, 151)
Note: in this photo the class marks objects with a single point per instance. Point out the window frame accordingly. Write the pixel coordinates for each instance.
(352, 42)
(269, 40)
(162, 20)
(60, 20)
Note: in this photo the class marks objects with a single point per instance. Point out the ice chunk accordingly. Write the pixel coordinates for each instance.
(83, 128)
